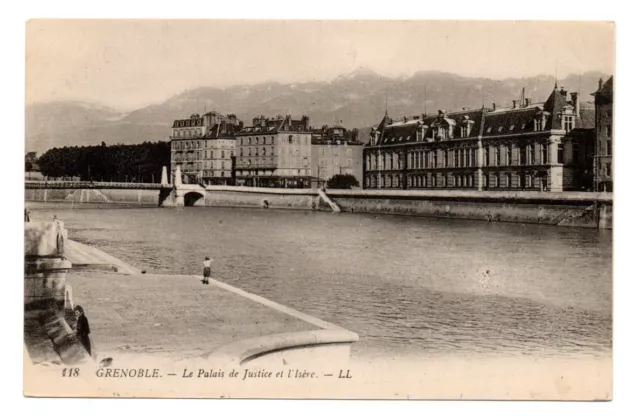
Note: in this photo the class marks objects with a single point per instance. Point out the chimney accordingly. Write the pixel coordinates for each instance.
(576, 102)
(600, 84)
(563, 92)
(494, 106)
(404, 119)
(515, 103)
(527, 101)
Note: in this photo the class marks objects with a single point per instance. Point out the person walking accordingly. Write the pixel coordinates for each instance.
(206, 272)
(82, 329)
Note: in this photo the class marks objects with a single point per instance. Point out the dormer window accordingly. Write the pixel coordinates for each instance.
(500, 129)
(488, 129)
(567, 122)
(537, 124)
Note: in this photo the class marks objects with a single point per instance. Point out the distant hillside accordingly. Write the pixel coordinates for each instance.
(356, 100)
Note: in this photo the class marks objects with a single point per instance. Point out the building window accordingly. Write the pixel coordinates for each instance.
(485, 181)
(568, 123)
(608, 149)
(497, 155)
(608, 169)
(496, 178)
(544, 153)
(485, 151)
(446, 159)
(509, 155)
(537, 124)
(532, 154)
(560, 152)
(290, 139)
(435, 159)
(508, 180)
(523, 155)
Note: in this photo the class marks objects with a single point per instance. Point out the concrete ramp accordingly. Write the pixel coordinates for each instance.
(328, 200)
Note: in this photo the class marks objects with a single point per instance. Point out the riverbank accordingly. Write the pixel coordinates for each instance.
(567, 209)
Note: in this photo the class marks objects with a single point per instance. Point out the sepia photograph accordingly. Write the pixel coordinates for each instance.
(319, 209)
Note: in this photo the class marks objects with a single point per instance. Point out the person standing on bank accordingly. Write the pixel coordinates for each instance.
(82, 329)
(206, 272)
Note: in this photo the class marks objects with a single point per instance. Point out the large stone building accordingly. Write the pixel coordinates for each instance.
(523, 147)
(335, 151)
(204, 148)
(274, 152)
(603, 160)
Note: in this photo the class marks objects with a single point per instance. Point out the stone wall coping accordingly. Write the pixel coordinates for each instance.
(248, 349)
(497, 195)
(256, 190)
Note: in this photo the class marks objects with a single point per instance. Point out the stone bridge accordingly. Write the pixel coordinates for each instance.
(180, 194)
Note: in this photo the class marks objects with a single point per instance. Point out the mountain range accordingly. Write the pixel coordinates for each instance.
(355, 100)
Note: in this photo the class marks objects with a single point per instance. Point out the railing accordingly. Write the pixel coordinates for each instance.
(89, 185)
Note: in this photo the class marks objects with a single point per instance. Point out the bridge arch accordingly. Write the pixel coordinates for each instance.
(193, 199)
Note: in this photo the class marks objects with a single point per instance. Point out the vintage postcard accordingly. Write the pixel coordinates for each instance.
(319, 209)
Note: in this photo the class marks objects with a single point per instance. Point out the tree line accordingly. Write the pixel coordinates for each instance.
(118, 163)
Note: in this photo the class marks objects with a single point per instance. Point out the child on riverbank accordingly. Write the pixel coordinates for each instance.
(206, 272)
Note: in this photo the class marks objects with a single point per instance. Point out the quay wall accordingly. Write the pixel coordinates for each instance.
(536, 209)
(261, 197)
(576, 209)
(571, 209)
(97, 196)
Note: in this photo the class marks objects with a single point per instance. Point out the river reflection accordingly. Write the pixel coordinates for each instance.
(408, 286)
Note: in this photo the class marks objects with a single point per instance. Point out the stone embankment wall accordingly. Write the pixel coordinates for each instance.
(264, 198)
(575, 209)
(94, 196)
(572, 209)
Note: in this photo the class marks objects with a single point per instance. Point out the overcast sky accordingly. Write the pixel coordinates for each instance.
(127, 64)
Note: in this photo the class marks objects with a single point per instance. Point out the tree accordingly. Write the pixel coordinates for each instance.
(342, 182)
(28, 167)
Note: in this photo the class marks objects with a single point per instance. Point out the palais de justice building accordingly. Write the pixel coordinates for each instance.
(522, 147)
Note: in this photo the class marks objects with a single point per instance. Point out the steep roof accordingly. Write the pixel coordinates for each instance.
(222, 130)
(554, 105)
(512, 121)
(587, 119)
(275, 125)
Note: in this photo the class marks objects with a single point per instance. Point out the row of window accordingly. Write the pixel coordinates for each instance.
(288, 172)
(336, 162)
(335, 151)
(214, 173)
(187, 133)
(211, 154)
(292, 139)
(185, 145)
(493, 156)
(496, 180)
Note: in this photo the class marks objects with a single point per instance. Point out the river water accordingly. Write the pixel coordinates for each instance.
(408, 286)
